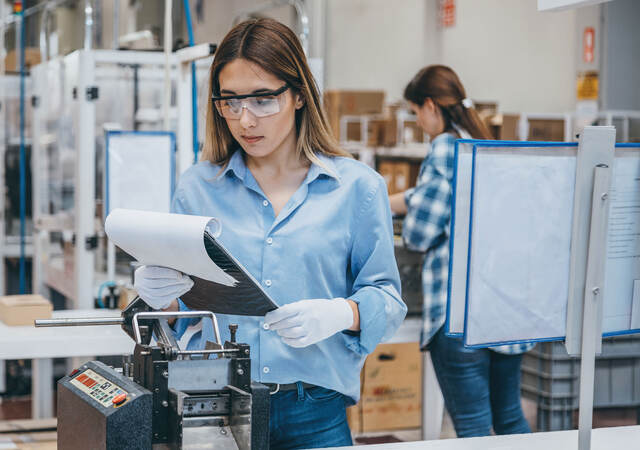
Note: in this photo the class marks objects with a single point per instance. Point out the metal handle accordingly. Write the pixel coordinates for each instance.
(178, 314)
(78, 322)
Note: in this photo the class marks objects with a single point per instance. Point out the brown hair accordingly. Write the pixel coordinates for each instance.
(442, 85)
(276, 49)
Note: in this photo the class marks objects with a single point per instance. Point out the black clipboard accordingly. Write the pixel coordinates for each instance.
(246, 298)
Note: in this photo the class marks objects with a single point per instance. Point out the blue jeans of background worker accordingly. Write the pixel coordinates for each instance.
(481, 388)
(295, 416)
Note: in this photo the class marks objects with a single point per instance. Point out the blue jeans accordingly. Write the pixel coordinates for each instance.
(308, 418)
(481, 388)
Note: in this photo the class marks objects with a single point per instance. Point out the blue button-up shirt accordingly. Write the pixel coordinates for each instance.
(333, 238)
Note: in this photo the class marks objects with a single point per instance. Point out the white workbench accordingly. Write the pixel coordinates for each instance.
(44, 344)
(602, 439)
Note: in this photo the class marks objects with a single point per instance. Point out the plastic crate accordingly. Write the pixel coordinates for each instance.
(556, 414)
(552, 378)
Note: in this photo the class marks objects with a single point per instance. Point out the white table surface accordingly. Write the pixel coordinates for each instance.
(622, 438)
(29, 342)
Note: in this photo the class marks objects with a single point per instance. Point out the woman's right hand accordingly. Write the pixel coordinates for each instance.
(160, 286)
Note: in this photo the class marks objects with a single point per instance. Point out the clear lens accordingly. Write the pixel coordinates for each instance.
(258, 106)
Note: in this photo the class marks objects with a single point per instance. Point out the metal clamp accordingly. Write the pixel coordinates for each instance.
(177, 314)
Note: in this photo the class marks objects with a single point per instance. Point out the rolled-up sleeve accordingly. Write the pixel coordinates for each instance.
(376, 287)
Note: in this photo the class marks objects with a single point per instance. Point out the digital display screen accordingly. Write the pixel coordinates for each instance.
(97, 387)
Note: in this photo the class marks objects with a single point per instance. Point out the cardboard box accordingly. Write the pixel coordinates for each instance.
(546, 130)
(485, 109)
(387, 170)
(338, 103)
(390, 133)
(412, 132)
(31, 58)
(16, 310)
(391, 389)
(509, 131)
(399, 174)
(405, 175)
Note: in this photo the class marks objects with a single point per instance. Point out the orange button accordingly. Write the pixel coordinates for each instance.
(119, 399)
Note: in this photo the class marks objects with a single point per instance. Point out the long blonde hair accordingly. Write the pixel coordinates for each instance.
(276, 49)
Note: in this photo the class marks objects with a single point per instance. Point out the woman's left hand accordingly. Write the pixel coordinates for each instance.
(307, 322)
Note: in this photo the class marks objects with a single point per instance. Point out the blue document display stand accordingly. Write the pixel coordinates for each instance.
(543, 246)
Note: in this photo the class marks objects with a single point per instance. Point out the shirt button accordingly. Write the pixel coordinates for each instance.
(267, 282)
(269, 241)
(265, 369)
(265, 203)
(265, 326)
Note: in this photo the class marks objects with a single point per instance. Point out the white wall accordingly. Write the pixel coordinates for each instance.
(506, 50)
(374, 44)
(503, 50)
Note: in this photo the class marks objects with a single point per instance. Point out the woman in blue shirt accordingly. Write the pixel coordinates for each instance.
(481, 387)
(310, 223)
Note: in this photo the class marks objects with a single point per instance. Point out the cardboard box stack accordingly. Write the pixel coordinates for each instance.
(31, 58)
(391, 392)
(546, 130)
(399, 173)
(509, 128)
(338, 103)
(17, 310)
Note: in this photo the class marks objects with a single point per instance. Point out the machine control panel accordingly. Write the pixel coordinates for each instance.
(103, 391)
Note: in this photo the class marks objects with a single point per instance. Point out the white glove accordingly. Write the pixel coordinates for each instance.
(307, 322)
(159, 286)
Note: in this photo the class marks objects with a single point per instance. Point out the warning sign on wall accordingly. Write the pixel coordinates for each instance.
(587, 86)
(588, 44)
(447, 13)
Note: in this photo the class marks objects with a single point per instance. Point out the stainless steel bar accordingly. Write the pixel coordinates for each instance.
(78, 322)
(177, 314)
(205, 352)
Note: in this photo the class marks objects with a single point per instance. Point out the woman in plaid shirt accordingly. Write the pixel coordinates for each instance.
(481, 387)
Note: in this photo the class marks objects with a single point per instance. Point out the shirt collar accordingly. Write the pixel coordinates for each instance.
(327, 167)
(236, 165)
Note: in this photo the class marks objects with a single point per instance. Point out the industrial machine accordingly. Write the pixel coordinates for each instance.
(163, 397)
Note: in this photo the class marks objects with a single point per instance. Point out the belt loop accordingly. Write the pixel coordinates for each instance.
(300, 391)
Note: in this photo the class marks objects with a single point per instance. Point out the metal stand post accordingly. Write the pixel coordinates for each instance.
(432, 401)
(592, 310)
(588, 257)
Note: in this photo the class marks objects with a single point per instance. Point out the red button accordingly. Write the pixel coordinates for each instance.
(119, 399)
(75, 371)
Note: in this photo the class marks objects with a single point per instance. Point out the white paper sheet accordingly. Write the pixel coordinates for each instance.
(623, 245)
(635, 307)
(460, 241)
(521, 235)
(169, 240)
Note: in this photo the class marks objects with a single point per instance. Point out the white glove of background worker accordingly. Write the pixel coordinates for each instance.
(307, 322)
(159, 286)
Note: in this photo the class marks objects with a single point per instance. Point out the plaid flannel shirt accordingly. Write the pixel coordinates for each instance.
(426, 229)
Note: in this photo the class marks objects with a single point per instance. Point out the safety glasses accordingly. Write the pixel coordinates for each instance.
(261, 105)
